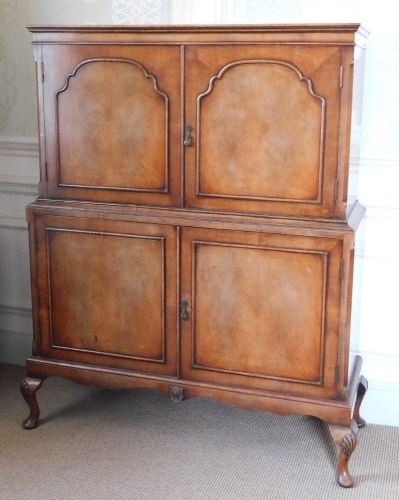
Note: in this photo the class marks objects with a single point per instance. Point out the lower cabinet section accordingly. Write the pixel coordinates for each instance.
(190, 306)
(257, 310)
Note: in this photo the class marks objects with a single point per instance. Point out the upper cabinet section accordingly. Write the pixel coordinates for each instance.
(111, 117)
(250, 119)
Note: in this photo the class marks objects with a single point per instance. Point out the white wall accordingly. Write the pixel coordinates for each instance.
(375, 328)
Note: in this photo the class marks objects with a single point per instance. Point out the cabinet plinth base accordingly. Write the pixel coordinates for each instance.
(342, 421)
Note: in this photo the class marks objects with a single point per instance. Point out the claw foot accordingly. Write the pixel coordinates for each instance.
(28, 387)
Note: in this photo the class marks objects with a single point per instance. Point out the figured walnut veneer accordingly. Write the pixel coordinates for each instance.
(193, 233)
(246, 148)
(89, 109)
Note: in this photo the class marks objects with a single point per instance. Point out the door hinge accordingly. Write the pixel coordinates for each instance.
(341, 77)
(337, 373)
(42, 72)
(341, 269)
(336, 189)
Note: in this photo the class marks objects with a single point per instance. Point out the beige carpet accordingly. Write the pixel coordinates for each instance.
(95, 443)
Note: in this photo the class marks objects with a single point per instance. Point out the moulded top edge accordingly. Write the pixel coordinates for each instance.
(191, 28)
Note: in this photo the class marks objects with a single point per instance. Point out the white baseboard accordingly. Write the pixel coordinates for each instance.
(381, 403)
(15, 347)
(15, 334)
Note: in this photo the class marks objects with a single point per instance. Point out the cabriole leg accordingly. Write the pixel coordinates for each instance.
(29, 386)
(361, 391)
(346, 439)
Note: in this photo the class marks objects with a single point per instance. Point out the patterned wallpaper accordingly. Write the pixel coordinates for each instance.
(139, 12)
(12, 39)
(17, 78)
(267, 11)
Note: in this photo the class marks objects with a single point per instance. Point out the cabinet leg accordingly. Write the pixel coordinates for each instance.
(29, 386)
(346, 439)
(361, 391)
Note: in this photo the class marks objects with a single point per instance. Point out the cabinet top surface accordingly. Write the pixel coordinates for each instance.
(347, 33)
(207, 28)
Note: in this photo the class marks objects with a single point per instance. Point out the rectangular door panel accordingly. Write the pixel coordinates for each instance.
(263, 310)
(265, 128)
(112, 118)
(108, 297)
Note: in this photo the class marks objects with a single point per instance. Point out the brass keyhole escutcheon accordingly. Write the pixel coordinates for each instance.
(187, 135)
(183, 310)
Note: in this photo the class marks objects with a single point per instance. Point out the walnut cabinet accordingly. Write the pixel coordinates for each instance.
(194, 231)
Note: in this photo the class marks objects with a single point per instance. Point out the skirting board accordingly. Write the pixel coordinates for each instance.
(15, 347)
(380, 406)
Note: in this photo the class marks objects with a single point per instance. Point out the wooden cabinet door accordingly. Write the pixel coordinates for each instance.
(263, 310)
(112, 123)
(265, 124)
(106, 292)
